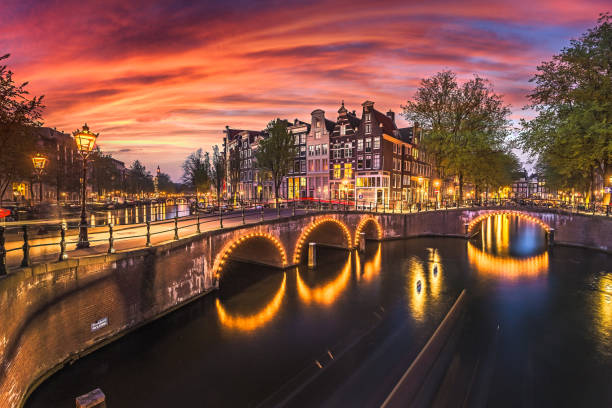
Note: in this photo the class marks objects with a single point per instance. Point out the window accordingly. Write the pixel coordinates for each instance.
(394, 148)
(377, 143)
(368, 128)
(336, 151)
(317, 134)
(376, 163)
(317, 123)
(318, 150)
(368, 145)
(311, 150)
(368, 162)
(342, 130)
(324, 148)
(311, 165)
(359, 162)
(348, 170)
(367, 117)
(302, 151)
(348, 150)
(324, 164)
(303, 167)
(303, 138)
(360, 145)
(317, 165)
(337, 172)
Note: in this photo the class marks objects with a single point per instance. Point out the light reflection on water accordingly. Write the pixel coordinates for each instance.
(328, 293)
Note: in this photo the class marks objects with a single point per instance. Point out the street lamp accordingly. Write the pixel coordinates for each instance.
(85, 141)
(39, 162)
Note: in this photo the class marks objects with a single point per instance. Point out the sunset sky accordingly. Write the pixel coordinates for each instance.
(158, 79)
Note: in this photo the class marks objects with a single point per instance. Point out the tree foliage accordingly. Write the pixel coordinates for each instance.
(572, 132)
(465, 125)
(197, 171)
(217, 171)
(139, 179)
(19, 114)
(275, 154)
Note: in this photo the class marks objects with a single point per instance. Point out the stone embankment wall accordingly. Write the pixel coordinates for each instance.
(53, 313)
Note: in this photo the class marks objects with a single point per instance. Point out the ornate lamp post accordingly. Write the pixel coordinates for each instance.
(39, 162)
(85, 141)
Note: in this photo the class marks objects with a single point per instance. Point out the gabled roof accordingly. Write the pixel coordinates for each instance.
(353, 120)
(388, 126)
(330, 125)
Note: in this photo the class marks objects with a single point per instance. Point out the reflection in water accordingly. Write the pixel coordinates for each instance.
(604, 306)
(327, 293)
(371, 267)
(435, 271)
(506, 267)
(416, 287)
(254, 321)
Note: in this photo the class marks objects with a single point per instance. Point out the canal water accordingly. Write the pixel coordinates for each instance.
(538, 330)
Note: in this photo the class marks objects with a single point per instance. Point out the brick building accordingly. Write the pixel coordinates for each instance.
(317, 151)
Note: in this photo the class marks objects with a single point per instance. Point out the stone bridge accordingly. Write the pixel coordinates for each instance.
(53, 313)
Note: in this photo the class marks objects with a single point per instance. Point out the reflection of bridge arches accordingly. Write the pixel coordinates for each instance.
(321, 233)
(371, 227)
(519, 214)
(327, 293)
(255, 247)
(505, 267)
(256, 320)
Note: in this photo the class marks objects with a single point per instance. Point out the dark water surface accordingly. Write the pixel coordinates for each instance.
(538, 331)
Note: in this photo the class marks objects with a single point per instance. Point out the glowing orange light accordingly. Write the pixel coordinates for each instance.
(85, 140)
(507, 268)
(328, 293)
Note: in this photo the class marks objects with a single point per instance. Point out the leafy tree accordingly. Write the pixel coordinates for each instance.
(139, 180)
(464, 123)
(196, 171)
(19, 114)
(165, 183)
(105, 176)
(572, 132)
(276, 153)
(217, 172)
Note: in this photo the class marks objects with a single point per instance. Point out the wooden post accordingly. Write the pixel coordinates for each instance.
(362, 242)
(198, 223)
(312, 254)
(551, 237)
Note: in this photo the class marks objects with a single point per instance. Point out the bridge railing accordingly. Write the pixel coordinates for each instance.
(24, 246)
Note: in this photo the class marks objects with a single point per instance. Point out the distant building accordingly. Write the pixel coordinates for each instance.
(342, 155)
(294, 185)
(531, 186)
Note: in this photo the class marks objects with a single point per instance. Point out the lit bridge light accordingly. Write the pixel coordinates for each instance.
(254, 321)
(327, 293)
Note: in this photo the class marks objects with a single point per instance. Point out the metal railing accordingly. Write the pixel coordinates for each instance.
(56, 247)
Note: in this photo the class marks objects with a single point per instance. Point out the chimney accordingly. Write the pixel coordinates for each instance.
(391, 115)
(354, 112)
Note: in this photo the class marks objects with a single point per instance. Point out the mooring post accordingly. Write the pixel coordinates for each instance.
(93, 399)
(62, 242)
(362, 242)
(176, 237)
(148, 243)
(466, 227)
(26, 248)
(111, 248)
(198, 222)
(551, 237)
(312, 254)
(2, 253)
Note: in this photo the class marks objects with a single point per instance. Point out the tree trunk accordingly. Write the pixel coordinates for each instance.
(460, 186)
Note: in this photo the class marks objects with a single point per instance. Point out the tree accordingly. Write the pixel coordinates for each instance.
(139, 180)
(165, 184)
(464, 123)
(19, 114)
(276, 153)
(572, 132)
(105, 176)
(217, 172)
(196, 171)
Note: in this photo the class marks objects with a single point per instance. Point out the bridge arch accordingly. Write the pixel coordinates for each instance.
(370, 226)
(472, 224)
(259, 247)
(316, 226)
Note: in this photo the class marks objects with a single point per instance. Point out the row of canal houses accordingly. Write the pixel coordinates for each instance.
(367, 158)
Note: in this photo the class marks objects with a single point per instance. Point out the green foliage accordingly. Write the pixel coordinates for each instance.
(466, 126)
(165, 183)
(105, 176)
(572, 133)
(197, 171)
(275, 154)
(139, 180)
(19, 114)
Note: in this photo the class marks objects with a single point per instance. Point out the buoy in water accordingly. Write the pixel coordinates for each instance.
(419, 285)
